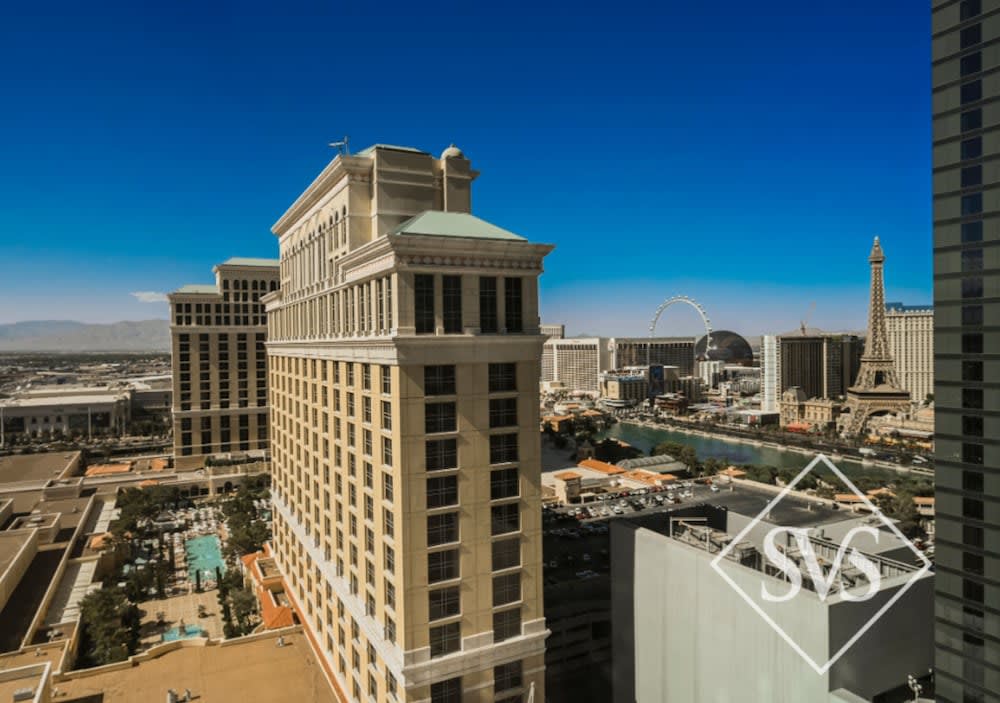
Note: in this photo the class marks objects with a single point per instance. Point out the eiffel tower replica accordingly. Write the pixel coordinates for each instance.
(876, 388)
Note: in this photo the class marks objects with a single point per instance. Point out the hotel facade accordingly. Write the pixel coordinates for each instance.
(404, 353)
(219, 362)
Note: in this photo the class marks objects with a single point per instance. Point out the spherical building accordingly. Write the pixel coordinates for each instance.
(727, 347)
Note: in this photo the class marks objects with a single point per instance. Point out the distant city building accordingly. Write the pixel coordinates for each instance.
(625, 387)
(770, 369)
(823, 366)
(53, 410)
(666, 351)
(799, 411)
(727, 347)
(910, 331)
(576, 363)
(219, 360)
(681, 633)
(710, 372)
(553, 331)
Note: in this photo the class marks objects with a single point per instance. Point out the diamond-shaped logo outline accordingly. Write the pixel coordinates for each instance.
(875, 511)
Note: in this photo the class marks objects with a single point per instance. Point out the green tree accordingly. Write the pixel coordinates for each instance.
(110, 627)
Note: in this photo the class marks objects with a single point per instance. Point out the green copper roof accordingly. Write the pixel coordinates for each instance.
(242, 261)
(454, 224)
(198, 288)
(367, 150)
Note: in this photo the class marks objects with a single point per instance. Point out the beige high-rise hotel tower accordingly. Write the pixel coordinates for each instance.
(404, 353)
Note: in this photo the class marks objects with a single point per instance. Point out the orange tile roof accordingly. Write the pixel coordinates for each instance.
(880, 492)
(98, 542)
(734, 472)
(557, 418)
(149, 482)
(923, 500)
(108, 469)
(848, 498)
(592, 413)
(646, 477)
(567, 475)
(601, 466)
(158, 464)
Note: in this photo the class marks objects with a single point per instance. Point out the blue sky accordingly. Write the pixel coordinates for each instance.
(744, 154)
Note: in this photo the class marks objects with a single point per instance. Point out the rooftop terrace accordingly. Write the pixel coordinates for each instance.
(35, 467)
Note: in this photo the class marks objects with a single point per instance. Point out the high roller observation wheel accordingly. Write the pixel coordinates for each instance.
(673, 301)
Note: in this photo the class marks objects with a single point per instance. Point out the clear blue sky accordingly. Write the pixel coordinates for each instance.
(740, 153)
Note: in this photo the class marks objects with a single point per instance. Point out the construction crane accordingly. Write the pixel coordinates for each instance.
(803, 324)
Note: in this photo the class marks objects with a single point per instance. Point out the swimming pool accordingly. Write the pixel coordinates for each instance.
(204, 555)
(189, 631)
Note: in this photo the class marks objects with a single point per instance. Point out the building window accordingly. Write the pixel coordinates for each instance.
(968, 9)
(972, 426)
(451, 291)
(440, 417)
(972, 398)
(488, 322)
(972, 344)
(449, 691)
(973, 591)
(513, 305)
(504, 484)
(972, 260)
(972, 287)
(972, 315)
(972, 205)
(442, 454)
(972, 231)
(972, 176)
(506, 589)
(972, 508)
(445, 639)
(439, 380)
(503, 448)
(423, 301)
(507, 676)
(387, 451)
(442, 492)
(972, 148)
(503, 412)
(506, 624)
(442, 529)
(443, 603)
(386, 380)
(442, 566)
(505, 518)
(973, 536)
(971, 92)
(972, 371)
(502, 378)
(970, 36)
(969, 64)
(972, 481)
(973, 119)
(506, 554)
(972, 453)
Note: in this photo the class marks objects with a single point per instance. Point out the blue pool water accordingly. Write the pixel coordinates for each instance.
(204, 555)
(189, 631)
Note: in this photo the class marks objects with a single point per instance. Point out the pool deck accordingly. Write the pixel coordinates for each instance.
(174, 610)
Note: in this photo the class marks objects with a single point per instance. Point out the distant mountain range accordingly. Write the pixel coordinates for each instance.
(69, 336)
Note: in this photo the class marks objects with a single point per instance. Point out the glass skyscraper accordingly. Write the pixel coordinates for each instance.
(966, 177)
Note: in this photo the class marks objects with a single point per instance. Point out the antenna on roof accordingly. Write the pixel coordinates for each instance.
(341, 146)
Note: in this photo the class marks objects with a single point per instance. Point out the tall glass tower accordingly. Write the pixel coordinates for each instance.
(966, 163)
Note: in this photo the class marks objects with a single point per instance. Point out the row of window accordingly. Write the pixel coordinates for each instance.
(506, 677)
(452, 321)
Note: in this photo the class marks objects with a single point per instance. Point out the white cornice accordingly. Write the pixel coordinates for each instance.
(339, 168)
